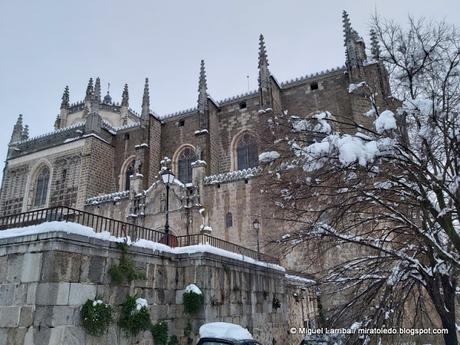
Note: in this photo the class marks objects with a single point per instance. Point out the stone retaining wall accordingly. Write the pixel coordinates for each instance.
(44, 280)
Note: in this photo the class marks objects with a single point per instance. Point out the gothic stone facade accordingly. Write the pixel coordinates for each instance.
(105, 158)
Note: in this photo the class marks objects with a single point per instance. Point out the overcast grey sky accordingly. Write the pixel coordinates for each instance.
(45, 45)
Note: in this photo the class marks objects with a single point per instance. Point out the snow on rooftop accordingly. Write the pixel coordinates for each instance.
(78, 229)
(224, 330)
(60, 130)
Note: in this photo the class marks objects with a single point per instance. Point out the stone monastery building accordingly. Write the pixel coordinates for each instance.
(105, 158)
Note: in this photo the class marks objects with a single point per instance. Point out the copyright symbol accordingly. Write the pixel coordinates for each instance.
(293, 330)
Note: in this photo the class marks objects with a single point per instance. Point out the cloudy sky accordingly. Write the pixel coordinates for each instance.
(45, 45)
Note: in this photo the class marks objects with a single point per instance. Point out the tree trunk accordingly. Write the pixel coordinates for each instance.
(442, 293)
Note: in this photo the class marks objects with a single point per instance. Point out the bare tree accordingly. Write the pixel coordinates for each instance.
(390, 191)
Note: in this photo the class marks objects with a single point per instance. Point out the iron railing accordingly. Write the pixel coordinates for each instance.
(123, 229)
(67, 214)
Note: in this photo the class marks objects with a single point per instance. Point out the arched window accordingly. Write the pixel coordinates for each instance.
(246, 152)
(228, 220)
(184, 165)
(128, 173)
(41, 187)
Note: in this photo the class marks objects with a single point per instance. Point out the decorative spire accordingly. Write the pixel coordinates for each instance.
(25, 133)
(17, 130)
(375, 46)
(125, 96)
(202, 90)
(347, 29)
(65, 99)
(146, 100)
(89, 90)
(264, 73)
(355, 49)
(97, 91)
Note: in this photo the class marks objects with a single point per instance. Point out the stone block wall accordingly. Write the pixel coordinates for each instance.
(45, 279)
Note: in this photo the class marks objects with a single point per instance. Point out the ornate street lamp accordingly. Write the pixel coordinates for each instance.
(167, 177)
(256, 226)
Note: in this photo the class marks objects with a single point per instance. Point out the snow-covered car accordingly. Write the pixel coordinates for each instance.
(217, 341)
(323, 339)
(224, 333)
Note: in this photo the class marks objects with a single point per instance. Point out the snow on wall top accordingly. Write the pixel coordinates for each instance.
(232, 176)
(78, 229)
(95, 200)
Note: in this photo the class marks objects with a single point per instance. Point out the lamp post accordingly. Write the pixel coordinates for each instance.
(256, 226)
(167, 177)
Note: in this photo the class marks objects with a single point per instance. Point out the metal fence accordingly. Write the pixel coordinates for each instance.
(122, 229)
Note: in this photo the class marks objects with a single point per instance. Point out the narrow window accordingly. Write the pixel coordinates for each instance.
(243, 105)
(181, 123)
(126, 136)
(129, 172)
(41, 189)
(228, 220)
(314, 86)
(247, 152)
(184, 164)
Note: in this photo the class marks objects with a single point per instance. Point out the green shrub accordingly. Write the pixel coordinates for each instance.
(125, 271)
(133, 317)
(160, 333)
(188, 329)
(95, 317)
(192, 301)
(173, 340)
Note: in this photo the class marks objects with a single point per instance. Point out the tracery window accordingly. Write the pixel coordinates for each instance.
(247, 152)
(184, 165)
(41, 187)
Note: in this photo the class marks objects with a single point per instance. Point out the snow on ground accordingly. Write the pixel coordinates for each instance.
(224, 330)
(193, 288)
(74, 228)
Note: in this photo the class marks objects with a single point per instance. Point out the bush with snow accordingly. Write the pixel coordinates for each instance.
(193, 299)
(95, 317)
(134, 316)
